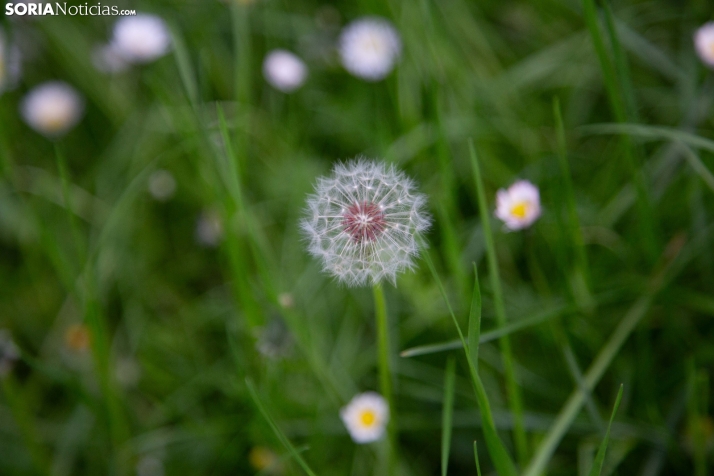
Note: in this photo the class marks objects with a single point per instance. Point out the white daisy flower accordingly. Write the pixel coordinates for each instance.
(284, 71)
(369, 48)
(519, 205)
(141, 38)
(162, 185)
(209, 228)
(150, 465)
(704, 43)
(9, 353)
(10, 64)
(366, 417)
(364, 221)
(108, 59)
(52, 108)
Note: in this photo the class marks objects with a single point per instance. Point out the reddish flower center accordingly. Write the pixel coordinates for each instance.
(364, 221)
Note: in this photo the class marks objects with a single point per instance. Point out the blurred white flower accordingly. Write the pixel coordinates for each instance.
(363, 222)
(287, 300)
(209, 228)
(52, 108)
(141, 38)
(366, 417)
(518, 206)
(162, 185)
(9, 353)
(9, 63)
(108, 59)
(128, 372)
(265, 460)
(704, 43)
(150, 466)
(369, 48)
(284, 71)
(274, 340)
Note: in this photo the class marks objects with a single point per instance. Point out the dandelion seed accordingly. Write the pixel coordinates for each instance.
(9, 353)
(366, 417)
(52, 108)
(364, 221)
(369, 48)
(284, 71)
(141, 38)
(518, 206)
(704, 43)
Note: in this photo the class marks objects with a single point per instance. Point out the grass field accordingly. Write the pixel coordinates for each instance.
(169, 319)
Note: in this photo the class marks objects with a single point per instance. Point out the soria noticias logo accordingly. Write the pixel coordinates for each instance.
(57, 8)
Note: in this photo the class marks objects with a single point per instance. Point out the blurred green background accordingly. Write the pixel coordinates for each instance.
(139, 319)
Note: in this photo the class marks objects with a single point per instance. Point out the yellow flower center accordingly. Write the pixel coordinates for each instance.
(520, 210)
(367, 418)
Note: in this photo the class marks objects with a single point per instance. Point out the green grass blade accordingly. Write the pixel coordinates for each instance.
(278, 432)
(621, 67)
(597, 369)
(622, 102)
(513, 391)
(431, 348)
(448, 414)
(644, 131)
(699, 168)
(478, 465)
(581, 278)
(600, 457)
(474, 329)
(492, 335)
(606, 67)
(386, 375)
(24, 419)
(185, 69)
(501, 459)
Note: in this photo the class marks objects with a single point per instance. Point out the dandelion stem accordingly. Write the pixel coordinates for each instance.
(514, 394)
(385, 371)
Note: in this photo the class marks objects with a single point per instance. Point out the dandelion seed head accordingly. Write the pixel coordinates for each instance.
(141, 39)
(369, 48)
(363, 222)
(519, 205)
(52, 108)
(284, 71)
(704, 43)
(366, 417)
